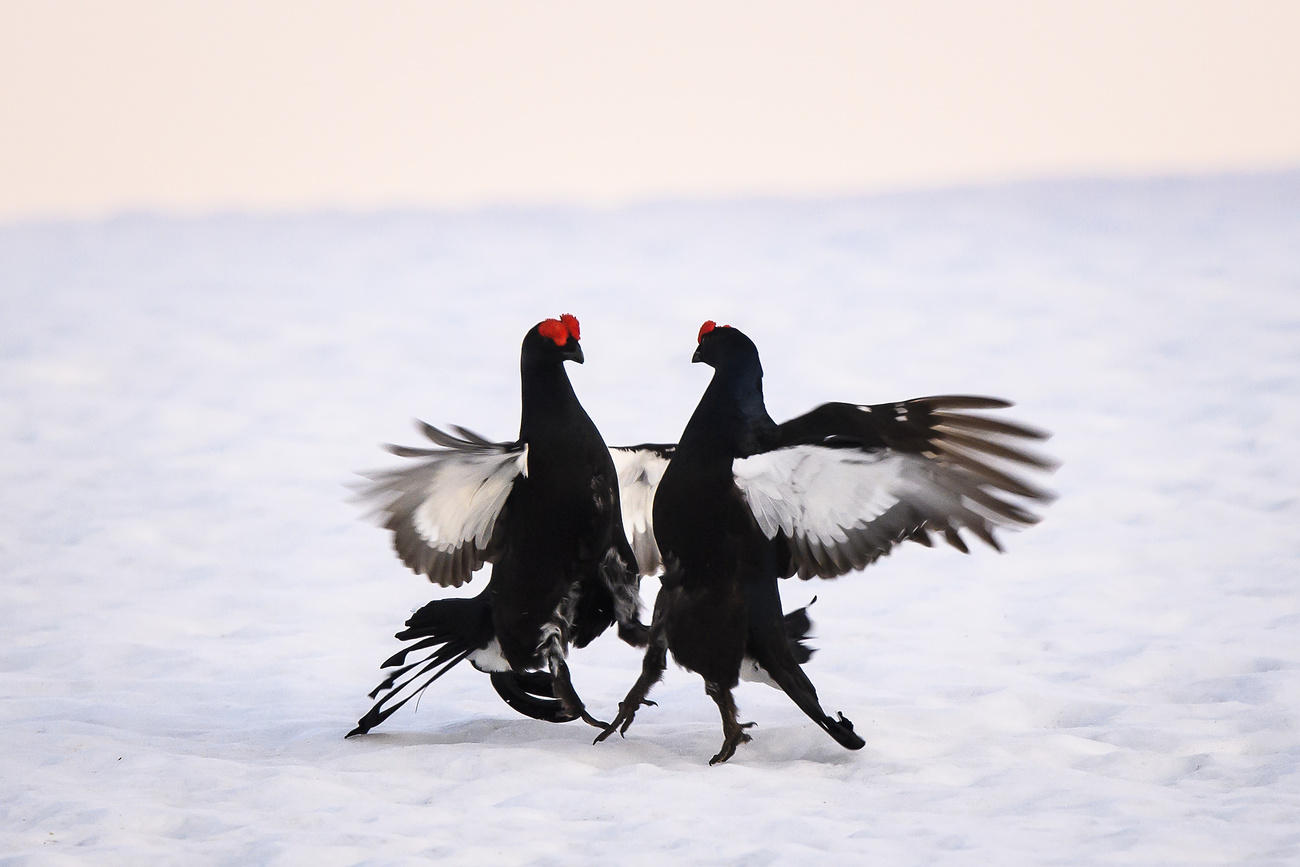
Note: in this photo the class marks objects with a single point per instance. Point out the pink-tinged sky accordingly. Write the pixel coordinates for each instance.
(196, 106)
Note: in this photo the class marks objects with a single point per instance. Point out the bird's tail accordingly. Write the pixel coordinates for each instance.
(798, 625)
(794, 683)
(532, 693)
(450, 629)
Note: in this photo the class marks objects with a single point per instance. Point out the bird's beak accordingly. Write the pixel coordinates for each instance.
(696, 357)
(577, 353)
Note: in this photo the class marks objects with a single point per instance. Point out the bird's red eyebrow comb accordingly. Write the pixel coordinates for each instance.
(571, 323)
(554, 329)
(708, 326)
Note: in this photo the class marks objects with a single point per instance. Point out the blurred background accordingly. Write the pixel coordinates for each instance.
(273, 106)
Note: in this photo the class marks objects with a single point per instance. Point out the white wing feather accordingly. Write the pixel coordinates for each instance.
(443, 510)
(841, 508)
(461, 497)
(639, 474)
(819, 493)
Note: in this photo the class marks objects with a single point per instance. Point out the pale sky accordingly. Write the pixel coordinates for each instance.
(273, 105)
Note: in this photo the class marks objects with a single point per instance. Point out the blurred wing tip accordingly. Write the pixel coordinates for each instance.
(964, 401)
(953, 538)
(472, 436)
(987, 424)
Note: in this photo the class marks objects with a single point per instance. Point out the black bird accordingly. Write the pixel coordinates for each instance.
(545, 511)
(742, 501)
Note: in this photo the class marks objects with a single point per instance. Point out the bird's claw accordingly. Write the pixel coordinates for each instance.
(610, 729)
(592, 721)
(621, 722)
(733, 736)
(730, 743)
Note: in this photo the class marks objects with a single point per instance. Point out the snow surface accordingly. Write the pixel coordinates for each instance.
(193, 610)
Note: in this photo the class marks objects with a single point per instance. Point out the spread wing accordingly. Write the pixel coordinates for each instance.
(446, 510)
(640, 469)
(844, 483)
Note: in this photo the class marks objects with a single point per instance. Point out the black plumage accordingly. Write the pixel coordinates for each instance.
(545, 511)
(743, 501)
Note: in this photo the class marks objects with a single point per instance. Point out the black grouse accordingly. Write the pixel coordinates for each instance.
(545, 511)
(742, 501)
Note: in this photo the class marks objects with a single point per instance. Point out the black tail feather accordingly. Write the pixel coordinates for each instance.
(798, 625)
(532, 693)
(379, 713)
(400, 656)
(782, 660)
(454, 627)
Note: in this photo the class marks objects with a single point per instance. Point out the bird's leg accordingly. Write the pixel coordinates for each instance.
(620, 576)
(653, 665)
(552, 649)
(567, 695)
(652, 668)
(733, 731)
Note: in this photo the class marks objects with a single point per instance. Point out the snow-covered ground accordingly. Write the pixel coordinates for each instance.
(192, 610)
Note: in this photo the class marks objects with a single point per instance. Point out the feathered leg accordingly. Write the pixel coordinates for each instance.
(619, 572)
(552, 650)
(565, 692)
(653, 665)
(652, 669)
(733, 731)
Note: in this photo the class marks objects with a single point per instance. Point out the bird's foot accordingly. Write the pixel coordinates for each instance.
(564, 691)
(587, 717)
(626, 713)
(732, 738)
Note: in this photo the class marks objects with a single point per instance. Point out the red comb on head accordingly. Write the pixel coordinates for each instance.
(554, 329)
(708, 326)
(571, 323)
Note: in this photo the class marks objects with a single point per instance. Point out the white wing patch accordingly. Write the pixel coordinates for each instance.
(461, 497)
(842, 508)
(443, 511)
(639, 474)
(818, 493)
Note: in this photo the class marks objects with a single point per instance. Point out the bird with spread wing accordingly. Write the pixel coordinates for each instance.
(544, 510)
(742, 501)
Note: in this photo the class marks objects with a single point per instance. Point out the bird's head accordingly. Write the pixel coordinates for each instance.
(725, 348)
(553, 341)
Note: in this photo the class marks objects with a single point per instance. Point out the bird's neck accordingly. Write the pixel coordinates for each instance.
(549, 409)
(731, 418)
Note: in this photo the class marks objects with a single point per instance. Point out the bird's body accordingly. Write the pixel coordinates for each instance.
(564, 520)
(545, 511)
(745, 501)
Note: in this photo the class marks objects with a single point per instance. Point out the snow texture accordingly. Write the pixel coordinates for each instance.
(193, 609)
